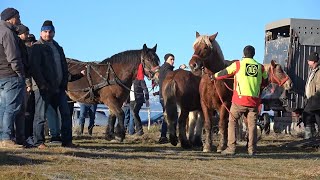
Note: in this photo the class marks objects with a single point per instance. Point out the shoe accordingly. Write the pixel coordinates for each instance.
(163, 140)
(70, 145)
(42, 146)
(10, 144)
(228, 151)
(55, 140)
(140, 133)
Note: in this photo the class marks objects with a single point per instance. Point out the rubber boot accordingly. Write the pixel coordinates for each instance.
(90, 130)
(308, 132)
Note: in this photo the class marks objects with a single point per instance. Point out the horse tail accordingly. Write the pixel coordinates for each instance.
(170, 104)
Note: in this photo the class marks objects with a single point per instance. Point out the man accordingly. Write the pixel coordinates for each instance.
(23, 122)
(91, 110)
(50, 73)
(139, 94)
(249, 75)
(164, 69)
(12, 77)
(311, 114)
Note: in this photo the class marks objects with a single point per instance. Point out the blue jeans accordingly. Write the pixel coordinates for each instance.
(87, 109)
(128, 120)
(54, 121)
(12, 92)
(58, 101)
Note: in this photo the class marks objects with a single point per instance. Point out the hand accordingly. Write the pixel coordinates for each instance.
(29, 89)
(83, 72)
(182, 66)
(147, 103)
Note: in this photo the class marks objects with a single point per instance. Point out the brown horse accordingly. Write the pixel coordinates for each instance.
(109, 82)
(181, 88)
(216, 95)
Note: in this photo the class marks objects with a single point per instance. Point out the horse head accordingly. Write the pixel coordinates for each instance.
(207, 53)
(150, 62)
(278, 76)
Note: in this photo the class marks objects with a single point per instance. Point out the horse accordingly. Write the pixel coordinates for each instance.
(109, 82)
(181, 89)
(216, 95)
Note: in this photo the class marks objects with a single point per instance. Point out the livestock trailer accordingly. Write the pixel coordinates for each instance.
(289, 42)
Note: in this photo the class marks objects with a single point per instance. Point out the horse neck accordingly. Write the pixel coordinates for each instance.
(214, 62)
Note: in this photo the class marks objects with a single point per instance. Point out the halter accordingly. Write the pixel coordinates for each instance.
(151, 71)
(276, 79)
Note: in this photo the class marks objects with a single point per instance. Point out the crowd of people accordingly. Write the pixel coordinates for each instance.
(34, 77)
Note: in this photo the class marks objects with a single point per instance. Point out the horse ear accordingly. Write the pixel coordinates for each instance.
(213, 37)
(197, 34)
(145, 48)
(154, 48)
(273, 63)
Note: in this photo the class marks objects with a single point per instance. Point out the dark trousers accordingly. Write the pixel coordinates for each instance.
(57, 101)
(135, 109)
(164, 126)
(29, 114)
(311, 117)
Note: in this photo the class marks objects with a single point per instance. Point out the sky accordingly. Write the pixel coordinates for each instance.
(96, 29)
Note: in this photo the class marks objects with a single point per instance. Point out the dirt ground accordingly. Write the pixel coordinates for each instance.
(140, 157)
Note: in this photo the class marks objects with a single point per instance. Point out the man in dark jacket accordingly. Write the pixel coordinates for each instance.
(164, 69)
(12, 76)
(50, 73)
(311, 114)
(138, 95)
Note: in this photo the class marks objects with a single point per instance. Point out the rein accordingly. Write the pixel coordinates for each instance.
(275, 78)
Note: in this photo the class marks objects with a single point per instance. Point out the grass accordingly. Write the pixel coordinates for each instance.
(143, 158)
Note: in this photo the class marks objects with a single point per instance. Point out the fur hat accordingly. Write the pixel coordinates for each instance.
(8, 13)
(314, 56)
(22, 29)
(47, 25)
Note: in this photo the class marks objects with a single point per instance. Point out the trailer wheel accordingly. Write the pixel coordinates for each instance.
(266, 122)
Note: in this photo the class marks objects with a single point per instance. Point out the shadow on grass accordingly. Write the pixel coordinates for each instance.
(8, 158)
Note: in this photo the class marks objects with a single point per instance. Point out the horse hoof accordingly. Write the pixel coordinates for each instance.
(207, 148)
(186, 145)
(173, 140)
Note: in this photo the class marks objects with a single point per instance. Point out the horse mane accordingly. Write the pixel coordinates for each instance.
(124, 57)
(212, 44)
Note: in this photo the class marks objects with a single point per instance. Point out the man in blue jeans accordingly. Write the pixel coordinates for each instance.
(12, 77)
(91, 110)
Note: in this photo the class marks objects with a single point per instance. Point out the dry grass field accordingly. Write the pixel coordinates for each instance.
(142, 158)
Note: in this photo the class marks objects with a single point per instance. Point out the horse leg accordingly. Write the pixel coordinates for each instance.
(110, 127)
(198, 134)
(192, 125)
(223, 128)
(207, 147)
(182, 129)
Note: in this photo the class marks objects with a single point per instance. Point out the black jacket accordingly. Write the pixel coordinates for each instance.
(141, 94)
(164, 69)
(43, 69)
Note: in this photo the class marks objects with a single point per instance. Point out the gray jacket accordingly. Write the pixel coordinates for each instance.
(10, 55)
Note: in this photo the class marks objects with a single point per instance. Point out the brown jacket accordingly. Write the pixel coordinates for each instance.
(313, 102)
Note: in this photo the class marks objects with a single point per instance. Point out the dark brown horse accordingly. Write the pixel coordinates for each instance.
(109, 82)
(181, 89)
(216, 95)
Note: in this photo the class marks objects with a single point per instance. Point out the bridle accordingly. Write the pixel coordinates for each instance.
(274, 78)
(149, 71)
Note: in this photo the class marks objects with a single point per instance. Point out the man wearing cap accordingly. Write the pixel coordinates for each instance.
(12, 81)
(50, 73)
(311, 112)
